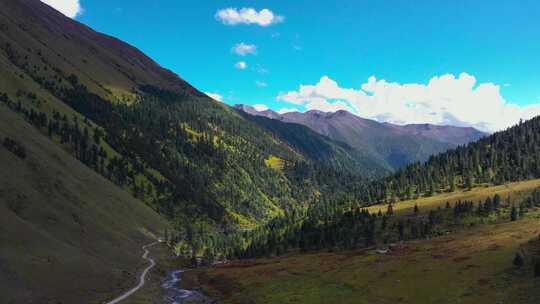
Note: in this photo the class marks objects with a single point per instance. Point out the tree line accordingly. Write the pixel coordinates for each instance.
(506, 156)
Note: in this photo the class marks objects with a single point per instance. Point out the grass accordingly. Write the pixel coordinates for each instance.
(473, 265)
(275, 163)
(68, 235)
(515, 191)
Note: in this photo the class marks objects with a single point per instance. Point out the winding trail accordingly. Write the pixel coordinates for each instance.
(142, 278)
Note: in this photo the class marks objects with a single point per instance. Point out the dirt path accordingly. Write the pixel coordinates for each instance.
(142, 278)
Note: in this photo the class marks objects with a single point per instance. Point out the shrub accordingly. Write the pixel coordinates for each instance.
(14, 147)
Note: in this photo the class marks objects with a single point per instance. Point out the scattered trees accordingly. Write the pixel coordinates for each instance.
(510, 155)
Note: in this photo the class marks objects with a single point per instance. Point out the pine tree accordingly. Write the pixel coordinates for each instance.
(390, 210)
(469, 182)
(401, 230)
(519, 261)
(513, 214)
(496, 201)
(208, 257)
(452, 184)
(537, 268)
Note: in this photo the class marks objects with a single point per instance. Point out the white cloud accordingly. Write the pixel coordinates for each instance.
(214, 96)
(445, 99)
(261, 70)
(287, 110)
(70, 8)
(241, 65)
(244, 49)
(260, 107)
(233, 16)
(261, 84)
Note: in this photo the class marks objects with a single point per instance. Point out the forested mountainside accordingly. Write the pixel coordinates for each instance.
(150, 132)
(510, 155)
(507, 156)
(334, 154)
(387, 145)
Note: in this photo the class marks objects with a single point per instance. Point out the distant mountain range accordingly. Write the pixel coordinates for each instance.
(388, 145)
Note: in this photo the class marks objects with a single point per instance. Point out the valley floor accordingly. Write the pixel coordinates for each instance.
(473, 265)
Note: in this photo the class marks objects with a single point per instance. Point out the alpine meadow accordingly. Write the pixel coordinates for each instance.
(263, 179)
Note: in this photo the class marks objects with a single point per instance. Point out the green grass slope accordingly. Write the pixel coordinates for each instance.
(472, 266)
(68, 235)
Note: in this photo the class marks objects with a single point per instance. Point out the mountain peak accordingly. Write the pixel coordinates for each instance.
(397, 145)
(253, 111)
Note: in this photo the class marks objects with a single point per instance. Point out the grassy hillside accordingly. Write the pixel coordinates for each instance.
(470, 265)
(515, 191)
(68, 235)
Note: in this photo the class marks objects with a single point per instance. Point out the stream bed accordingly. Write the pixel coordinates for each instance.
(177, 295)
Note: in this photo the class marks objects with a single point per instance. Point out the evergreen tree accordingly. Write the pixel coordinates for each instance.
(390, 210)
(537, 268)
(518, 261)
(208, 257)
(514, 214)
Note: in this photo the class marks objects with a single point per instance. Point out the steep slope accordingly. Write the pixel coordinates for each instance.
(146, 129)
(446, 134)
(41, 40)
(68, 235)
(320, 148)
(388, 145)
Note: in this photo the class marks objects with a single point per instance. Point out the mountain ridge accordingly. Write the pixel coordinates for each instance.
(391, 145)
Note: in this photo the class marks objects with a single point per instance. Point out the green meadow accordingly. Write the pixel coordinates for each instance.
(470, 265)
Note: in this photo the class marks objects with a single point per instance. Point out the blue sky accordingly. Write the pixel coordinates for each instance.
(334, 47)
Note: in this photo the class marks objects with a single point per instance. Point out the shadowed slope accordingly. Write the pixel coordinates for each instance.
(68, 234)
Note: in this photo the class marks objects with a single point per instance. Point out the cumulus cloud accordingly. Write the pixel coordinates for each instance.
(445, 99)
(214, 96)
(260, 69)
(244, 49)
(70, 8)
(241, 65)
(233, 16)
(260, 107)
